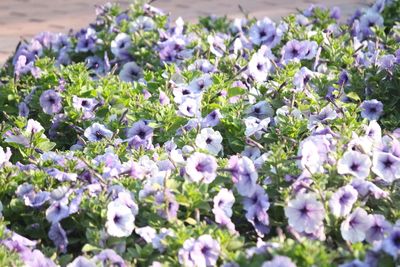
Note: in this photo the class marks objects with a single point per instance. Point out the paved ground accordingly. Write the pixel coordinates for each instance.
(25, 18)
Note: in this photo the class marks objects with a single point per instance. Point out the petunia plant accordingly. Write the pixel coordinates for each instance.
(144, 141)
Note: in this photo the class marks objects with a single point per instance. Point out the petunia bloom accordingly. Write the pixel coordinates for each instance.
(97, 132)
(201, 168)
(50, 101)
(354, 163)
(342, 201)
(355, 226)
(305, 213)
(209, 140)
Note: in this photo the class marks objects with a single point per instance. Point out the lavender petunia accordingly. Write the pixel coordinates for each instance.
(50, 101)
(203, 251)
(82, 262)
(379, 228)
(391, 244)
(130, 72)
(57, 211)
(201, 168)
(97, 132)
(120, 46)
(342, 201)
(386, 166)
(371, 109)
(356, 225)
(305, 213)
(209, 140)
(58, 236)
(279, 261)
(109, 257)
(259, 65)
(354, 163)
(120, 220)
(140, 135)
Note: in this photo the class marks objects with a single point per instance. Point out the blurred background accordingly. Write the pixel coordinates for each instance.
(21, 19)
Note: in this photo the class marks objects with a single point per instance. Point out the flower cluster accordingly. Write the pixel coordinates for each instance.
(143, 141)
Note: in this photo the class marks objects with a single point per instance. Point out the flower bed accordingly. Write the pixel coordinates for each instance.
(143, 141)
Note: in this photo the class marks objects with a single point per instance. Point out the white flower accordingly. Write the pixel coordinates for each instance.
(354, 163)
(386, 166)
(120, 220)
(260, 65)
(4, 156)
(209, 140)
(355, 226)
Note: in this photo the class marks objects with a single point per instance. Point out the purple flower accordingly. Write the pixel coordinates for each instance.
(184, 254)
(342, 201)
(366, 187)
(293, 50)
(36, 258)
(86, 40)
(391, 244)
(50, 101)
(314, 152)
(140, 135)
(256, 207)
(379, 228)
(5, 156)
(162, 199)
(203, 251)
(120, 46)
(130, 72)
(224, 201)
(96, 132)
(245, 176)
(109, 257)
(212, 119)
(368, 20)
(305, 213)
(200, 84)
(58, 236)
(264, 32)
(335, 13)
(36, 199)
(371, 109)
(261, 110)
(279, 261)
(356, 225)
(85, 104)
(141, 23)
(23, 66)
(81, 262)
(201, 168)
(386, 166)
(354, 163)
(202, 65)
(57, 211)
(302, 77)
(386, 62)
